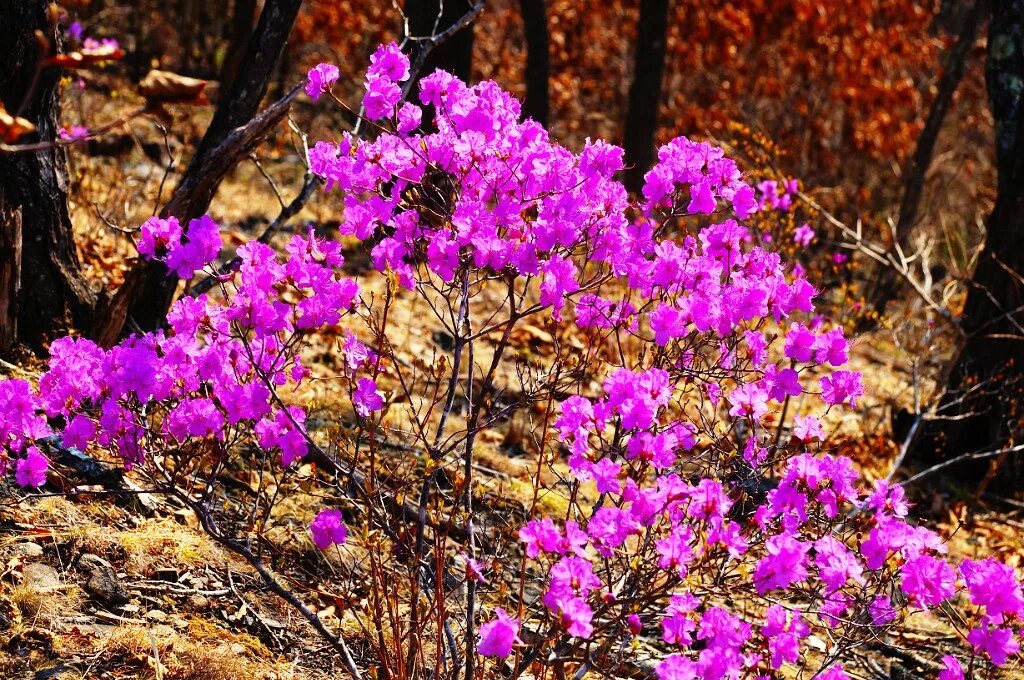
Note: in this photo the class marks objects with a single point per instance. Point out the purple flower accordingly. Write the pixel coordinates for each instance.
(73, 133)
(927, 580)
(997, 642)
(388, 61)
(803, 235)
(321, 79)
(158, 236)
(842, 387)
(783, 565)
(31, 470)
(366, 398)
(328, 529)
(498, 635)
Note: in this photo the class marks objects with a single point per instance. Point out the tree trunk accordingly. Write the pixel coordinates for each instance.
(954, 64)
(454, 55)
(645, 91)
(535, 28)
(10, 275)
(993, 355)
(35, 183)
(148, 290)
(242, 16)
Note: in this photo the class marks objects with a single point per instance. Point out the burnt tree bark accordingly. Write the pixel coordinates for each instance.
(243, 15)
(430, 17)
(991, 362)
(148, 290)
(645, 91)
(954, 64)
(535, 29)
(34, 184)
(10, 275)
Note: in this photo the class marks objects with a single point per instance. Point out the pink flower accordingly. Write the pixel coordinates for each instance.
(498, 635)
(748, 401)
(835, 672)
(807, 429)
(474, 569)
(675, 551)
(605, 473)
(784, 635)
(366, 398)
(73, 133)
(881, 611)
(634, 624)
(803, 235)
(328, 529)
(31, 470)
(927, 580)
(840, 387)
(576, 617)
(158, 236)
(201, 246)
(382, 95)
(388, 61)
(951, 669)
(994, 586)
(784, 564)
(831, 347)
(540, 535)
(321, 79)
(677, 667)
(799, 342)
(998, 643)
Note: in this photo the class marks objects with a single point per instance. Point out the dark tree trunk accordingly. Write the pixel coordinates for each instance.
(645, 91)
(243, 15)
(993, 355)
(148, 290)
(34, 184)
(10, 275)
(535, 28)
(454, 55)
(954, 64)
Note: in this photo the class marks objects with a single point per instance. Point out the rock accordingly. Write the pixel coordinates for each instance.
(41, 577)
(198, 602)
(169, 574)
(102, 582)
(27, 550)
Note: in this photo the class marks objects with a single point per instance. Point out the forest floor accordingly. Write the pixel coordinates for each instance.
(94, 585)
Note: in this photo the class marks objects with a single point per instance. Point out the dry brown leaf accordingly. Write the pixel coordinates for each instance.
(165, 87)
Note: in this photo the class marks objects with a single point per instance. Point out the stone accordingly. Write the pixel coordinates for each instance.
(102, 582)
(27, 550)
(41, 577)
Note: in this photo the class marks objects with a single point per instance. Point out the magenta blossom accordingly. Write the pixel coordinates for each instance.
(328, 529)
(321, 79)
(498, 635)
(31, 470)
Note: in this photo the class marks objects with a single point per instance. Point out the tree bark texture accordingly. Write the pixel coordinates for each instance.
(34, 184)
(535, 28)
(645, 91)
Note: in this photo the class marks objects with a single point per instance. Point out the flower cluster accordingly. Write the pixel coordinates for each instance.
(211, 377)
(487, 192)
(698, 493)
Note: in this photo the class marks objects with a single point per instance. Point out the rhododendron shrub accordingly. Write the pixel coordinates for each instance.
(702, 506)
